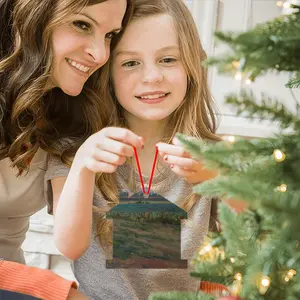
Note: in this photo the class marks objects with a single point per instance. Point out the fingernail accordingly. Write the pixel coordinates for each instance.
(171, 166)
(166, 158)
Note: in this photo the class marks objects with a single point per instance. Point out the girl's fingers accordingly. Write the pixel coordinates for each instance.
(182, 162)
(116, 147)
(172, 150)
(182, 172)
(99, 166)
(108, 157)
(123, 135)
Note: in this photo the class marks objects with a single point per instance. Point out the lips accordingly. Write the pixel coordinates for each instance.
(153, 99)
(152, 95)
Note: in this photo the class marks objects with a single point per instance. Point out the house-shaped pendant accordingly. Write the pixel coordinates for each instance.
(146, 233)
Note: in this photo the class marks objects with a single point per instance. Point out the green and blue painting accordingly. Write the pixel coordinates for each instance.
(146, 233)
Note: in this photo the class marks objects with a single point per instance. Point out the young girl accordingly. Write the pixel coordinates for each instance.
(155, 87)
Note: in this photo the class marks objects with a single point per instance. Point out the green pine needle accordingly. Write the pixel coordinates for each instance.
(181, 296)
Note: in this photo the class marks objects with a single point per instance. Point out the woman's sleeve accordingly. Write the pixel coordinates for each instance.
(42, 284)
(55, 168)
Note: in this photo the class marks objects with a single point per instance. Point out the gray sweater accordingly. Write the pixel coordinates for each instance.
(137, 284)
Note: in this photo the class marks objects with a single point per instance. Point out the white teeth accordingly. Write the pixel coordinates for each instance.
(153, 96)
(78, 66)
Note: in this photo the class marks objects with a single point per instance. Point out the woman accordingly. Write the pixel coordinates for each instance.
(50, 55)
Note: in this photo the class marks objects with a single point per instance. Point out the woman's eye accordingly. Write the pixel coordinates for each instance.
(168, 60)
(82, 25)
(129, 64)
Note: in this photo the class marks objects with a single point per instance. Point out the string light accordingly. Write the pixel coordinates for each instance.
(238, 76)
(229, 138)
(265, 282)
(279, 3)
(205, 249)
(236, 287)
(286, 5)
(290, 274)
(278, 155)
(238, 276)
(236, 64)
(248, 81)
(282, 188)
(232, 260)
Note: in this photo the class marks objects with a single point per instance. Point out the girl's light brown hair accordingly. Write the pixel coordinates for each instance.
(194, 117)
(30, 115)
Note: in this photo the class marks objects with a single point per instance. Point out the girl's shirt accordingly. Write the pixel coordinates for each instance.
(137, 284)
(20, 197)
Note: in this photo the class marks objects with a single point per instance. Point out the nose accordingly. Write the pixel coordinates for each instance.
(99, 51)
(152, 74)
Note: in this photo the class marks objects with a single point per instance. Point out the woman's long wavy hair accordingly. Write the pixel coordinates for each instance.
(194, 117)
(30, 115)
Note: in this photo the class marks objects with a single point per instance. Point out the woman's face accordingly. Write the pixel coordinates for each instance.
(81, 45)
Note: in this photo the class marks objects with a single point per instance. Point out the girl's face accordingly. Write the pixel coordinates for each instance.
(149, 78)
(81, 45)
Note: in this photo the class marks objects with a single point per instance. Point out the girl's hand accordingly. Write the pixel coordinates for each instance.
(182, 164)
(194, 171)
(107, 149)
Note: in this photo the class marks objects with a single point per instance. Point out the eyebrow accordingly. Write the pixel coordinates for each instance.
(89, 17)
(129, 52)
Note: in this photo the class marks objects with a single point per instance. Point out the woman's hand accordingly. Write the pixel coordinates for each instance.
(107, 149)
(182, 164)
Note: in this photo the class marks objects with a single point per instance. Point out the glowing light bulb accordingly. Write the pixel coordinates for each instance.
(229, 138)
(264, 284)
(238, 76)
(279, 3)
(238, 276)
(232, 260)
(236, 64)
(286, 5)
(248, 81)
(291, 273)
(205, 250)
(278, 155)
(282, 188)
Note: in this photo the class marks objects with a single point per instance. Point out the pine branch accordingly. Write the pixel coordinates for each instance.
(294, 82)
(271, 46)
(181, 296)
(267, 108)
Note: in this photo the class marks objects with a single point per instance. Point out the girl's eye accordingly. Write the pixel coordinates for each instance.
(168, 60)
(111, 35)
(130, 64)
(82, 25)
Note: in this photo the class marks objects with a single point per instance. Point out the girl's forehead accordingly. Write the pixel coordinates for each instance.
(156, 31)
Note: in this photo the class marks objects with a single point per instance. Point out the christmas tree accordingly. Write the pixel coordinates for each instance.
(257, 254)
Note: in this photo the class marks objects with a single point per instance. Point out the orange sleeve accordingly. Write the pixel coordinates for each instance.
(42, 284)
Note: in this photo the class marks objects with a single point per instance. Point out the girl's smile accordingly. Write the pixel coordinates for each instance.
(153, 97)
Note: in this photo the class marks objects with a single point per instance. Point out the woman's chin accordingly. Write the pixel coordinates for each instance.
(72, 91)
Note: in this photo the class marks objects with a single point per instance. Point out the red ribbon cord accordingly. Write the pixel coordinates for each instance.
(140, 173)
